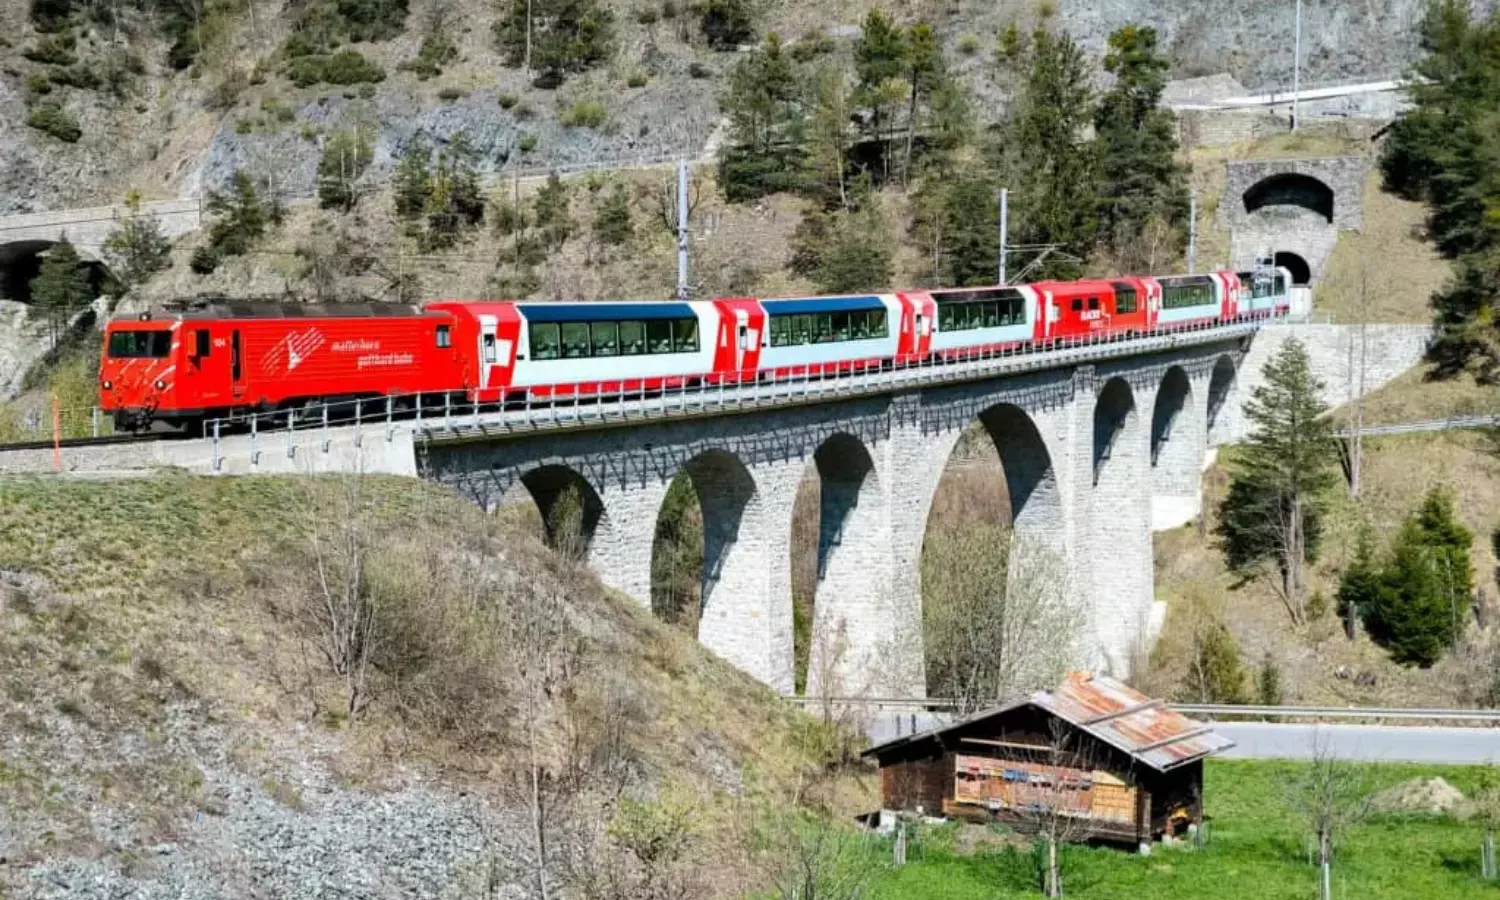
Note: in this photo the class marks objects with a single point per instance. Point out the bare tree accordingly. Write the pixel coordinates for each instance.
(1487, 811)
(806, 856)
(666, 200)
(1357, 385)
(997, 617)
(1331, 796)
(1051, 801)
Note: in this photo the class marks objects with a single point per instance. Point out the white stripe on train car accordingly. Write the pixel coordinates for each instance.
(543, 373)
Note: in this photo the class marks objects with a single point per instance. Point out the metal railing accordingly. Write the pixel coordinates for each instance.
(1206, 710)
(440, 416)
(1453, 423)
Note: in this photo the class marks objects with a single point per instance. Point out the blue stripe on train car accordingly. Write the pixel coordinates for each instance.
(793, 305)
(603, 312)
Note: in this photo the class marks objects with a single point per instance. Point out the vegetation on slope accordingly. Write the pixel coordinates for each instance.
(178, 603)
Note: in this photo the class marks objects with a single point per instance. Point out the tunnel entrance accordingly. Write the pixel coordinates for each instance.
(21, 262)
(1291, 189)
(1295, 264)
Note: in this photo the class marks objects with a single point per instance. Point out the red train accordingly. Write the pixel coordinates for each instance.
(230, 358)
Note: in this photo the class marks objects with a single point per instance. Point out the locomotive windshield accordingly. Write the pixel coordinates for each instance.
(140, 344)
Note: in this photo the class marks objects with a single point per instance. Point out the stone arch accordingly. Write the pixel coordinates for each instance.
(21, 261)
(1291, 189)
(725, 493)
(1294, 263)
(1118, 552)
(1176, 452)
(853, 563)
(1223, 386)
(554, 488)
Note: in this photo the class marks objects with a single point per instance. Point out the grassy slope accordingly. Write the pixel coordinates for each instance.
(1397, 472)
(1257, 851)
(135, 609)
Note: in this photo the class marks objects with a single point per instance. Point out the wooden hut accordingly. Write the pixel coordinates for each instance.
(1109, 761)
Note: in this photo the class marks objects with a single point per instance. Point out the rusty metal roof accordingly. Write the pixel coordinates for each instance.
(1112, 712)
(1125, 718)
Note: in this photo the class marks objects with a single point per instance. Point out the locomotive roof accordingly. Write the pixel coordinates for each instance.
(221, 308)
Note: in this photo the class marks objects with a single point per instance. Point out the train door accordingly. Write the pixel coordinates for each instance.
(746, 341)
(495, 351)
(208, 365)
(236, 365)
(926, 318)
(1049, 314)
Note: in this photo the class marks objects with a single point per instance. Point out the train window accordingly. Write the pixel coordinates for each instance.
(1124, 299)
(840, 326)
(544, 342)
(140, 344)
(1077, 304)
(822, 328)
(879, 325)
(606, 338)
(632, 338)
(1093, 303)
(489, 348)
(236, 363)
(202, 343)
(444, 339)
(659, 336)
(575, 340)
(685, 336)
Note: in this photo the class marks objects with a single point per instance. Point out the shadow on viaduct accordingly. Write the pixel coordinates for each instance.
(1094, 457)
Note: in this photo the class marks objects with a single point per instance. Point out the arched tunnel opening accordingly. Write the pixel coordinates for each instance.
(1295, 264)
(21, 263)
(1291, 189)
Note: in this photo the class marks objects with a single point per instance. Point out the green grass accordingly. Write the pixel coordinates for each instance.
(1258, 850)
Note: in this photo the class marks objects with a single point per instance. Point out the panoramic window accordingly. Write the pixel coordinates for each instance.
(825, 328)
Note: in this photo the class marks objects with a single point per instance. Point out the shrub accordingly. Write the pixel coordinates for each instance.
(813, 44)
(310, 132)
(968, 45)
(82, 76)
(636, 80)
(646, 16)
(38, 85)
(612, 224)
(699, 70)
(346, 156)
(437, 51)
(523, 111)
(669, 9)
(226, 93)
(366, 91)
(585, 114)
(342, 68)
(137, 248)
(205, 260)
(727, 23)
(54, 120)
(244, 126)
(527, 143)
(277, 110)
(508, 101)
(53, 50)
(564, 36)
(449, 94)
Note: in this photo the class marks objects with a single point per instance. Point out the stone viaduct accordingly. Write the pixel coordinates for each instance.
(1095, 454)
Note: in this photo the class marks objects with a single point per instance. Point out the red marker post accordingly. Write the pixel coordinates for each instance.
(56, 434)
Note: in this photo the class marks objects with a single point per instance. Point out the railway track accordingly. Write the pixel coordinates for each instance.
(91, 441)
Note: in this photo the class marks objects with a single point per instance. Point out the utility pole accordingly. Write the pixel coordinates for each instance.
(1297, 68)
(682, 229)
(1192, 259)
(1004, 226)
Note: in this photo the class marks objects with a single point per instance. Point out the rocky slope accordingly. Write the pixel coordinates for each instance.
(171, 133)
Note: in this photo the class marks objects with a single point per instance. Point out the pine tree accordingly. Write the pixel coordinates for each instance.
(858, 254)
(454, 203)
(1427, 588)
(1215, 674)
(612, 225)
(879, 64)
(829, 138)
(1052, 168)
(552, 216)
(563, 36)
(241, 217)
(1280, 477)
(137, 248)
(727, 23)
(61, 288)
(1360, 585)
(413, 181)
(925, 72)
(1141, 181)
(767, 119)
(346, 156)
(1268, 682)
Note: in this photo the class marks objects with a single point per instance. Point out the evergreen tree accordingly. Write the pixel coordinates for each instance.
(1361, 583)
(1281, 475)
(346, 156)
(1141, 181)
(1268, 683)
(829, 138)
(137, 248)
(1426, 590)
(61, 287)
(727, 23)
(552, 215)
(1052, 168)
(564, 36)
(767, 122)
(858, 253)
(879, 64)
(454, 203)
(1440, 151)
(612, 225)
(413, 181)
(1215, 674)
(241, 219)
(925, 72)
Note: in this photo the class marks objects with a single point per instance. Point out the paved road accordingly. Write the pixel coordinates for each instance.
(1295, 740)
(1370, 743)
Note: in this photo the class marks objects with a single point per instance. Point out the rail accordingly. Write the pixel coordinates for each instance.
(1207, 710)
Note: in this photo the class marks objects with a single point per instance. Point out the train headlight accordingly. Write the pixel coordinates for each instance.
(107, 384)
(161, 385)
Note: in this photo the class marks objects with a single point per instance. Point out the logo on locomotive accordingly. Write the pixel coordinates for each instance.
(292, 350)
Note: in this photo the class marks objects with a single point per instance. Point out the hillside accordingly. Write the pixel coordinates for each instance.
(172, 728)
(154, 116)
